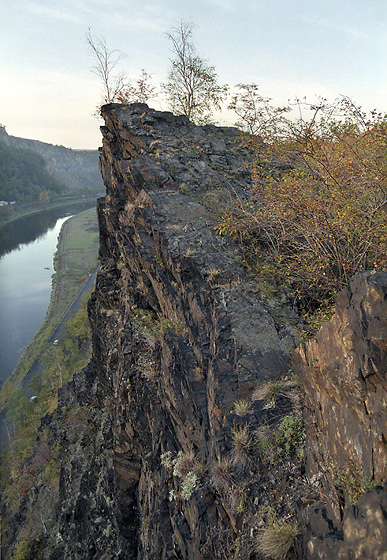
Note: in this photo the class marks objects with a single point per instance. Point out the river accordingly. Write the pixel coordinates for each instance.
(26, 268)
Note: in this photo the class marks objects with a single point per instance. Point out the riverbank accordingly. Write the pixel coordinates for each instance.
(76, 257)
(10, 214)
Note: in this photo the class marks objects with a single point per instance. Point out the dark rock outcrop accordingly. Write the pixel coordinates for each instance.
(167, 449)
(344, 372)
(180, 333)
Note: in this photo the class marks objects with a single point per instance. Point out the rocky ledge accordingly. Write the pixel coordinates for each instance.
(183, 438)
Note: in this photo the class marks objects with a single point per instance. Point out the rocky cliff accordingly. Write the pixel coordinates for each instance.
(344, 373)
(184, 437)
(77, 169)
(182, 339)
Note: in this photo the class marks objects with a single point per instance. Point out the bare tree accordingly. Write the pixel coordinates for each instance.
(256, 115)
(192, 88)
(105, 68)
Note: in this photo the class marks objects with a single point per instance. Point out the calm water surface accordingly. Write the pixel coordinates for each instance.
(26, 269)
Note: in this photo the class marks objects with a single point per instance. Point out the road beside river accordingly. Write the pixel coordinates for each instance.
(76, 265)
(75, 259)
(56, 335)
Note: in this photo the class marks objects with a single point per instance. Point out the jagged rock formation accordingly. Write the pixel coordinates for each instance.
(180, 333)
(167, 449)
(77, 169)
(344, 372)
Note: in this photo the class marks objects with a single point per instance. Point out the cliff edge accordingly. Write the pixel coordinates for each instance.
(182, 338)
(189, 458)
(184, 437)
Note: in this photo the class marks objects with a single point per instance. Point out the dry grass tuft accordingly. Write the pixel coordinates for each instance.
(276, 539)
(240, 452)
(222, 475)
(241, 407)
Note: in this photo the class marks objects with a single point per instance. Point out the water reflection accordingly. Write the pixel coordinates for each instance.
(31, 228)
(26, 269)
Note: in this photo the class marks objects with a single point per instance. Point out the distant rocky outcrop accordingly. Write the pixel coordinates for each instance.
(77, 169)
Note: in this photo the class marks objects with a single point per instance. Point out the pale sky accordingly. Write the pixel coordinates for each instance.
(290, 48)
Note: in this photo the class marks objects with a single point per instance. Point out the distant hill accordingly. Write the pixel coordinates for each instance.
(77, 170)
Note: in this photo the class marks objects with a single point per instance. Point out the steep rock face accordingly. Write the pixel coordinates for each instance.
(344, 372)
(77, 169)
(180, 333)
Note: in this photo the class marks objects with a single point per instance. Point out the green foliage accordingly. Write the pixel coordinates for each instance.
(24, 178)
(155, 326)
(189, 485)
(352, 480)
(25, 463)
(263, 438)
(288, 437)
(187, 468)
(282, 444)
(192, 88)
(19, 409)
(256, 115)
(22, 551)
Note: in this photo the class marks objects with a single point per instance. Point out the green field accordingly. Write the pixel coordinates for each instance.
(76, 257)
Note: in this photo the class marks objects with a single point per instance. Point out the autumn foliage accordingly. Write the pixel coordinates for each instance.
(317, 209)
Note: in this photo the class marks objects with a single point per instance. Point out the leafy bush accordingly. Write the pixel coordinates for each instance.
(188, 485)
(185, 466)
(289, 436)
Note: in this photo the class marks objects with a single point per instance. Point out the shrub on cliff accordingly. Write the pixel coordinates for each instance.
(317, 209)
(276, 539)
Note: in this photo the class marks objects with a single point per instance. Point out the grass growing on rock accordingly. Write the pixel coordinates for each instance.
(275, 541)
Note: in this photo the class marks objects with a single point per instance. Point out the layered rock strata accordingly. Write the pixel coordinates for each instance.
(181, 333)
(151, 433)
(344, 373)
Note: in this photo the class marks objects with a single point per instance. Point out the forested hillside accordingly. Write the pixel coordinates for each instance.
(73, 171)
(24, 177)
